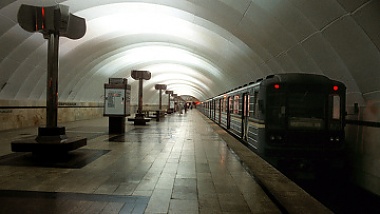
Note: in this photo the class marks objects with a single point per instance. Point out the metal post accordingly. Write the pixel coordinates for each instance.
(52, 81)
(160, 100)
(160, 87)
(168, 102)
(139, 111)
(51, 140)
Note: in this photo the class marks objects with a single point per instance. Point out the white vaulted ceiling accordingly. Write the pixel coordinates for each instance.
(199, 48)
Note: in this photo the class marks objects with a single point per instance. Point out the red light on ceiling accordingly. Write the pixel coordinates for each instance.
(276, 86)
(335, 88)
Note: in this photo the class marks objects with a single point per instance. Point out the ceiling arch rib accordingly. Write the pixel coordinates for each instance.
(23, 59)
(213, 46)
(204, 40)
(179, 87)
(174, 75)
(120, 66)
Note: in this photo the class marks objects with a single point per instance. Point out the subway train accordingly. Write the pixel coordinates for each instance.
(288, 119)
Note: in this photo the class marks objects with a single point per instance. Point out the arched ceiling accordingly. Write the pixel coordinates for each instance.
(199, 48)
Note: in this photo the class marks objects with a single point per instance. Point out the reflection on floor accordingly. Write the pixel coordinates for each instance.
(53, 202)
(74, 160)
(176, 165)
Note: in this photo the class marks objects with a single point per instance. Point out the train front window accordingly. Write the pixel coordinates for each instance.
(306, 110)
(335, 107)
(306, 105)
(275, 114)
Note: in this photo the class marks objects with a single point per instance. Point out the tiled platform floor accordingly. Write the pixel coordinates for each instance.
(178, 165)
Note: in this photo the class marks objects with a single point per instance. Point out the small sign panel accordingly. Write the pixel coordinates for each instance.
(117, 81)
(114, 101)
(117, 101)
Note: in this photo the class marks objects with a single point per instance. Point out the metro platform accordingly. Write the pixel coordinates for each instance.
(181, 164)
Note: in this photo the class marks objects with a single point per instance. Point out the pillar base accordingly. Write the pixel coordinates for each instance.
(49, 141)
(139, 119)
(116, 125)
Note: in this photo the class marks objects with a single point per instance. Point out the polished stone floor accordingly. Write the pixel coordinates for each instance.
(177, 165)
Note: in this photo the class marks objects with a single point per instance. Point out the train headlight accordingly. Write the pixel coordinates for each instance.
(275, 138)
(334, 139)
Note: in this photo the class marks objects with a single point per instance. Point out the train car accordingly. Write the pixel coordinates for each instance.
(286, 117)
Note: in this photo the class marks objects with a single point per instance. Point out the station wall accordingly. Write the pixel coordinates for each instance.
(15, 114)
(363, 146)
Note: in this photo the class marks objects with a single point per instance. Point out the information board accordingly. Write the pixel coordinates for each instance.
(117, 100)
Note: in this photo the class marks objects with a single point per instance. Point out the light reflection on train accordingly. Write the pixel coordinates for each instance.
(286, 118)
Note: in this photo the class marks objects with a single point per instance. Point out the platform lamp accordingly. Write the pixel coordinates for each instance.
(169, 93)
(175, 100)
(140, 76)
(160, 87)
(52, 22)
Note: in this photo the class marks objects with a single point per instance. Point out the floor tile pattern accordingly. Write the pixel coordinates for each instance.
(176, 165)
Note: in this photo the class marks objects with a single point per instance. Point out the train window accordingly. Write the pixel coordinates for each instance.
(241, 105)
(335, 112)
(224, 105)
(230, 104)
(237, 105)
(275, 113)
(251, 105)
(221, 105)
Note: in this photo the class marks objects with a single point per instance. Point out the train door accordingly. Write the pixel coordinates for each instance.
(209, 109)
(220, 111)
(217, 110)
(245, 116)
(230, 103)
(223, 112)
(213, 110)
